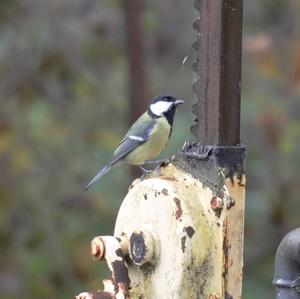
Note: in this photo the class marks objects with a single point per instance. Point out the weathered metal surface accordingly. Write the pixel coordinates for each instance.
(287, 267)
(234, 237)
(189, 233)
(222, 169)
(218, 71)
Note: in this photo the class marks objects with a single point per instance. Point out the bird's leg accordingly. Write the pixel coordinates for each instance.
(144, 171)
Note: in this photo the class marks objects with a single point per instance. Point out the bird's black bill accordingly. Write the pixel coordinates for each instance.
(178, 102)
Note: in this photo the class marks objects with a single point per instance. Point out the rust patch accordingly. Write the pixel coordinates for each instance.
(123, 287)
(231, 203)
(178, 212)
(216, 205)
(165, 191)
(241, 184)
(98, 248)
(225, 250)
(189, 231)
(183, 239)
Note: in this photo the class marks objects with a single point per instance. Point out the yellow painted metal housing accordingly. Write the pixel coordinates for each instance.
(195, 247)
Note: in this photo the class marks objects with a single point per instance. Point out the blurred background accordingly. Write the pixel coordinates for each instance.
(74, 74)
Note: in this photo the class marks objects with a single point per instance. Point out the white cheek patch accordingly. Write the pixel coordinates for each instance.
(160, 107)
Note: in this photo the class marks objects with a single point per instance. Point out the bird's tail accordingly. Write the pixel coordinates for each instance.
(102, 172)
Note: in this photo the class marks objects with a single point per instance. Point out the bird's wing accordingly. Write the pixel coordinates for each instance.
(138, 134)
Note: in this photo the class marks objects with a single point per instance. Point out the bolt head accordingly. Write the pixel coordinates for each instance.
(141, 247)
(216, 203)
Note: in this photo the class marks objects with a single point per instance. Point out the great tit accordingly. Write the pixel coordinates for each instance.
(146, 137)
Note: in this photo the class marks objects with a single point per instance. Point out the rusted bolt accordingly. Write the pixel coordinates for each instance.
(98, 248)
(141, 247)
(216, 203)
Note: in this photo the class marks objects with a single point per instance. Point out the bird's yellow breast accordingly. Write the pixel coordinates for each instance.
(151, 149)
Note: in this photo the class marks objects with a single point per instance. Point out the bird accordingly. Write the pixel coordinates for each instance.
(146, 138)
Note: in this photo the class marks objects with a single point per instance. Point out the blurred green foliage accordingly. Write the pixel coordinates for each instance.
(64, 106)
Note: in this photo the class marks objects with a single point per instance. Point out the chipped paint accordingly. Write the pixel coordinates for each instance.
(178, 212)
(109, 248)
(165, 191)
(190, 231)
(120, 274)
(183, 239)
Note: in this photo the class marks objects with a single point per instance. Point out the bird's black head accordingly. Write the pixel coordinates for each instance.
(164, 105)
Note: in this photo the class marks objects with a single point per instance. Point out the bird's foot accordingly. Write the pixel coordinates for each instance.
(144, 171)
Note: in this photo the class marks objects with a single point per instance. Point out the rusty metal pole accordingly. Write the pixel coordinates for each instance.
(218, 159)
(218, 70)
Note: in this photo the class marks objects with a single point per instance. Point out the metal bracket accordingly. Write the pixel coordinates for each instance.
(212, 164)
